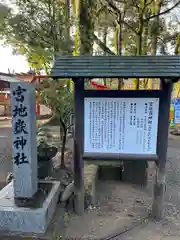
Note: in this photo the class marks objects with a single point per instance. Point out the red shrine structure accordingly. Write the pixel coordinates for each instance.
(33, 79)
(5, 92)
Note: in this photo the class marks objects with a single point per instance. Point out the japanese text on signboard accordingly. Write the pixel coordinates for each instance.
(117, 125)
(19, 114)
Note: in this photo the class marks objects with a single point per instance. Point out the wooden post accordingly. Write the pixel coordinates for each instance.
(163, 129)
(159, 182)
(78, 146)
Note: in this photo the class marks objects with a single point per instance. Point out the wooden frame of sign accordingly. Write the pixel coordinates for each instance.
(152, 110)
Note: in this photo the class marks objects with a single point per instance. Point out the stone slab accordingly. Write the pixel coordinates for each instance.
(90, 178)
(23, 219)
(24, 149)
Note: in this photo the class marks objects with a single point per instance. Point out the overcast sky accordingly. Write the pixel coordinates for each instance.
(8, 60)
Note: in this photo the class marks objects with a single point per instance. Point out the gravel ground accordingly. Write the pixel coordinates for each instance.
(169, 228)
(122, 209)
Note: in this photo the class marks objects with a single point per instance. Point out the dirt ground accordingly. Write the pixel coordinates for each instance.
(122, 209)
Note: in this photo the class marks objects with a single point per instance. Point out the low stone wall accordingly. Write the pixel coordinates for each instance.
(135, 172)
(90, 178)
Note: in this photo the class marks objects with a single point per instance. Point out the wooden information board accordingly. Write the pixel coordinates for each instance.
(121, 125)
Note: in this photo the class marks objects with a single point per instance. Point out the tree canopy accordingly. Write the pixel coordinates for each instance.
(42, 29)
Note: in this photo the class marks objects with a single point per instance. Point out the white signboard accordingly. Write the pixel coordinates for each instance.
(121, 125)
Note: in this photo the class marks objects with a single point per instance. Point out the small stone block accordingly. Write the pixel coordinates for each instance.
(27, 219)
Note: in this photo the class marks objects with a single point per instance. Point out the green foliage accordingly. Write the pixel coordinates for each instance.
(55, 95)
(59, 99)
(37, 31)
(40, 29)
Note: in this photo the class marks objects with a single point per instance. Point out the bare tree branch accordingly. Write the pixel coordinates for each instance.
(164, 12)
(149, 3)
(103, 46)
(118, 12)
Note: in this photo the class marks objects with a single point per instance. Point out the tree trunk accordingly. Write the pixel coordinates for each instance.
(177, 48)
(68, 19)
(75, 6)
(155, 27)
(63, 165)
(68, 36)
(86, 23)
(139, 44)
(105, 32)
(155, 34)
(63, 136)
(145, 38)
(139, 38)
(145, 49)
(120, 80)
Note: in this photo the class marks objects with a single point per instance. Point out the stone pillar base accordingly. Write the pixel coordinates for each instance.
(32, 219)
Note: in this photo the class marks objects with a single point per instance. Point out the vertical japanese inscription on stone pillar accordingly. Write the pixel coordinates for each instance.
(24, 151)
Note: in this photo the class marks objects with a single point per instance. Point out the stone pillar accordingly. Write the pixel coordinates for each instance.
(24, 149)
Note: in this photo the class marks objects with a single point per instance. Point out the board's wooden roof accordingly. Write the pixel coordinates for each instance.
(117, 66)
